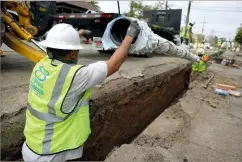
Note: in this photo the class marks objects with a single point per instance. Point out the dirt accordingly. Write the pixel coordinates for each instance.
(125, 116)
(136, 154)
(200, 126)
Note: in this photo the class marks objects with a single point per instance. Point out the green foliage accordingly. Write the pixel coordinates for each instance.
(137, 8)
(155, 27)
(95, 4)
(238, 37)
(236, 44)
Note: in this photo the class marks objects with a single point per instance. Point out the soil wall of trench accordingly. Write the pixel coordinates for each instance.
(120, 110)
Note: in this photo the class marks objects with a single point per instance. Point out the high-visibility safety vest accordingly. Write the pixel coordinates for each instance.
(219, 43)
(201, 65)
(188, 31)
(48, 129)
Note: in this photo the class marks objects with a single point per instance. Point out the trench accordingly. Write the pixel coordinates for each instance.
(132, 109)
(118, 113)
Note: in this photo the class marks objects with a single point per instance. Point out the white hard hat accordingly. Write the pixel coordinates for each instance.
(62, 36)
(200, 51)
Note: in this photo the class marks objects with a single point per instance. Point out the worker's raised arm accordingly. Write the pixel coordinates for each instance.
(85, 33)
(116, 60)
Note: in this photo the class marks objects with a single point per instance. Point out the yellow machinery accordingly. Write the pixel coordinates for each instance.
(15, 31)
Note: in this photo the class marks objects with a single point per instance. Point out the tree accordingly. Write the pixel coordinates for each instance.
(211, 39)
(95, 4)
(137, 8)
(198, 37)
(236, 45)
(238, 37)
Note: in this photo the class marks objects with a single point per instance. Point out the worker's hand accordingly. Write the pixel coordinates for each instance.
(133, 29)
(197, 59)
(87, 34)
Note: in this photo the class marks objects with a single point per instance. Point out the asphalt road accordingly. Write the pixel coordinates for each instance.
(16, 69)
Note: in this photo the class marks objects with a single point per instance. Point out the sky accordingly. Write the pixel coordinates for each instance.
(222, 17)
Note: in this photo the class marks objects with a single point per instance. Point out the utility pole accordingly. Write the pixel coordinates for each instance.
(118, 8)
(187, 19)
(166, 5)
(166, 11)
(203, 24)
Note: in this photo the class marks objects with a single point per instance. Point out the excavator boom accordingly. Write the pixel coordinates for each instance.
(40, 14)
(24, 49)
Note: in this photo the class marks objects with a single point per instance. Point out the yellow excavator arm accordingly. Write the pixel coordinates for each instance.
(21, 30)
(25, 50)
(13, 40)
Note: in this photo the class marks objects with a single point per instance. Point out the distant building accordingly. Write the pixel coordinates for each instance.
(169, 19)
(74, 7)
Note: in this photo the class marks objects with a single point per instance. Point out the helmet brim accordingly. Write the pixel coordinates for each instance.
(47, 44)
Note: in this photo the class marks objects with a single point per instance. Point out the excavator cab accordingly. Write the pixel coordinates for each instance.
(36, 17)
(43, 15)
(31, 20)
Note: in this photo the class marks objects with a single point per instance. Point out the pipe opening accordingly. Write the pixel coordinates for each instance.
(118, 31)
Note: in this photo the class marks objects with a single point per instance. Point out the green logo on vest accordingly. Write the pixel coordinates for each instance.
(36, 83)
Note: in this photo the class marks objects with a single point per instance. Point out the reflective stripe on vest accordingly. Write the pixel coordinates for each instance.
(48, 130)
(50, 118)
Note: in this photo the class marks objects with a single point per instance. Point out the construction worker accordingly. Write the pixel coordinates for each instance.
(188, 37)
(202, 64)
(57, 115)
(86, 33)
(219, 43)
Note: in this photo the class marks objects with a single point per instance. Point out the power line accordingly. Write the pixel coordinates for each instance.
(221, 7)
(215, 10)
